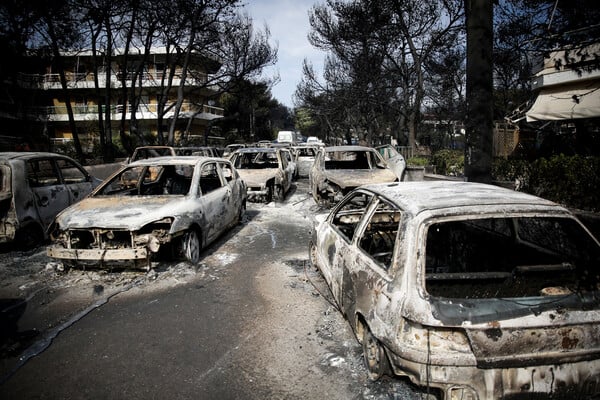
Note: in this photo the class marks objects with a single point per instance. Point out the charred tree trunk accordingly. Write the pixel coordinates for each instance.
(479, 119)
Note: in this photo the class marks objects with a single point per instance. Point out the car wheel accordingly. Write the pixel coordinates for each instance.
(191, 246)
(312, 254)
(278, 193)
(29, 236)
(374, 355)
(241, 213)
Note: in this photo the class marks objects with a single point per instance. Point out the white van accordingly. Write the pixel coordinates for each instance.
(286, 137)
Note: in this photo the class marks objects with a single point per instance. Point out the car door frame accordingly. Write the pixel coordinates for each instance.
(214, 209)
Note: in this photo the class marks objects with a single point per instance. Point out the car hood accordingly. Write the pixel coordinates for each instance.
(257, 177)
(119, 212)
(351, 178)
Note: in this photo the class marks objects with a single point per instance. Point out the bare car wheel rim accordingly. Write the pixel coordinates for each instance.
(192, 247)
(374, 355)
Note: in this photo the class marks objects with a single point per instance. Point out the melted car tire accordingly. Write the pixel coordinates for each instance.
(191, 246)
(278, 193)
(374, 355)
(241, 213)
(29, 236)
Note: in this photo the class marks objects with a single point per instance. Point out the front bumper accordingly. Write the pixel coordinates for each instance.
(100, 255)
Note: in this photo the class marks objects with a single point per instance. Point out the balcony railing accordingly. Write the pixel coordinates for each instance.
(144, 111)
(86, 80)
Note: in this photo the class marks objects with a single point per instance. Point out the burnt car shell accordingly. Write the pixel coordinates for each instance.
(471, 290)
(184, 201)
(339, 169)
(34, 188)
(266, 171)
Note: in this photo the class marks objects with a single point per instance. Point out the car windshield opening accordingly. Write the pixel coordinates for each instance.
(347, 160)
(256, 160)
(510, 258)
(150, 180)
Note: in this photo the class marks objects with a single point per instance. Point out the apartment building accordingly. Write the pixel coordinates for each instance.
(33, 106)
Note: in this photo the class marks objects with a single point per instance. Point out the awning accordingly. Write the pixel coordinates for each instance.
(581, 100)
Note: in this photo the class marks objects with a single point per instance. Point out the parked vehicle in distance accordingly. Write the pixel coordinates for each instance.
(266, 171)
(34, 187)
(203, 151)
(472, 291)
(145, 152)
(179, 203)
(339, 169)
(313, 140)
(291, 137)
(305, 157)
(231, 148)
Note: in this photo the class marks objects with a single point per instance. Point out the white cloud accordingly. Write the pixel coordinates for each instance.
(289, 26)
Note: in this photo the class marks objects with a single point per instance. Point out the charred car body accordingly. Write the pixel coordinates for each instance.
(266, 171)
(34, 187)
(305, 157)
(185, 202)
(474, 291)
(339, 169)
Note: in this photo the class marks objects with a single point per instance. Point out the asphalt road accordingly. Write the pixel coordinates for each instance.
(251, 321)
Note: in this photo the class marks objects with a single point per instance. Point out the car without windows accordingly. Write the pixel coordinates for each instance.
(305, 157)
(34, 187)
(266, 171)
(471, 290)
(339, 169)
(181, 203)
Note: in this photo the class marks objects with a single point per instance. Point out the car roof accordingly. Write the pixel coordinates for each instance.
(257, 150)
(349, 148)
(440, 196)
(175, 160)
(25, 155)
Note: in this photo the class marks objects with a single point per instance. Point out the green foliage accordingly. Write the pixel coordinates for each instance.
(573, 181)
(418, 161)
(449, 162)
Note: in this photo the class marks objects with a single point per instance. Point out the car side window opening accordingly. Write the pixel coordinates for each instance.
(380, 233)
(347, 218)
(42, 172)
(70, 172)
(209, 178)
(510, 258)
(227, 171)
(177, 179)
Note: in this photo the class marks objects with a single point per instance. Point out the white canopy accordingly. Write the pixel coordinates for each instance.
(580, 100)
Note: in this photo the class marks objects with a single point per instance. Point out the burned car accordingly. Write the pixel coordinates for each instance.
(179, 203)
(34, 187)
(266, 171)
(339, 169)
(472, 291)
(305, 157)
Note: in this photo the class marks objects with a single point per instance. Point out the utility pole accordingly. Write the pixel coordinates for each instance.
(480, 110)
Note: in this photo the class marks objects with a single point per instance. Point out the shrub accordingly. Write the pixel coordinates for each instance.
(449, 162)
(573, 181)
(418, 161)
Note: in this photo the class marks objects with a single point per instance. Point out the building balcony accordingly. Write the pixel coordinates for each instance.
(86, 80)
(144, 112)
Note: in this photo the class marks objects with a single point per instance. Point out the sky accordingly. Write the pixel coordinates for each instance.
(288, 23)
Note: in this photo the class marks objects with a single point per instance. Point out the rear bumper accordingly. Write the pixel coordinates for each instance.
(568, 380)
